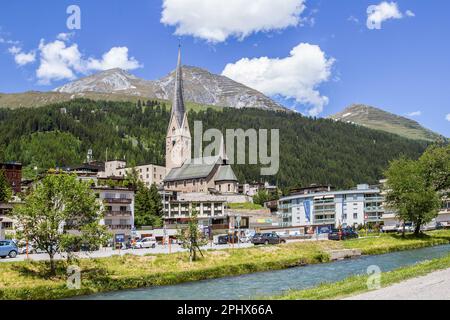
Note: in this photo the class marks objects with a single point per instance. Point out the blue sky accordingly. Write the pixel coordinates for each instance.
(404, 67)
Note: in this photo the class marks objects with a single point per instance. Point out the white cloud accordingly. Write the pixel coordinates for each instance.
(22, 58)
(353, 19)
(296, 76)
(64, 36)
(216, 20)
(117, 57)
(59, 61)
(377, 14)
(409, 13)
(447, 117)
(414, 114)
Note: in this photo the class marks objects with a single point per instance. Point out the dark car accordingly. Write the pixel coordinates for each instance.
(227, 239)
(342, 234)
(267, 238)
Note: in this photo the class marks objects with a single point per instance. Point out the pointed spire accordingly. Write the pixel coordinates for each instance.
(222, 151)
(178, 101)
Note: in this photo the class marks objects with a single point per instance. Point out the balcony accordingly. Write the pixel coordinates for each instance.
(373, 217)
(117, 200)
(374, 199)
(117, 213)
(374, 209)
(325, 221)
(119, 226)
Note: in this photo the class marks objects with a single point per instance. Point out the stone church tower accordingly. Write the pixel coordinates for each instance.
(178, 139)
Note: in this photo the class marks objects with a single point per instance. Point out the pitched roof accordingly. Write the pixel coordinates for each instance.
(194, 169)
(226, 173)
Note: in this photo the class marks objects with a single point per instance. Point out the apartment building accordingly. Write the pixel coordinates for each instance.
(322, 208)
(148, 174)
(118, 205)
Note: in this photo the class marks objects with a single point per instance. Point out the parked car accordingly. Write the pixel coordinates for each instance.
(31, 249)
(409, 227)
(8, 248)
(267, 238)
(429, 227)
(342, 234)
(145, 243)
(390, 228)
(224, 239)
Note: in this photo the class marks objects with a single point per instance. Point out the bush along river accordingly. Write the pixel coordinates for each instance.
(275, 282)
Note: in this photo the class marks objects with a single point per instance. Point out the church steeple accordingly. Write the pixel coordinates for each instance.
(178, 109)
(178, 139)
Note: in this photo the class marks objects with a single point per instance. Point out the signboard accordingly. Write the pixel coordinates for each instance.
(119, 238)
(324, 229)
(307, 206)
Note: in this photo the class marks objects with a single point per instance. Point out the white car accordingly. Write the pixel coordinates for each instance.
(31, 249)
(145, 243)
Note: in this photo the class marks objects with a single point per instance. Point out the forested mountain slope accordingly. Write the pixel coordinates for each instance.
(311, 150)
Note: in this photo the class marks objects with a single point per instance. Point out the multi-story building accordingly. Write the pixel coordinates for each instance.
(321, 208)
(118, 205)
(13, 173)
(148, 174)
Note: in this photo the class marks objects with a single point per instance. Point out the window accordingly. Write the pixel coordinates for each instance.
(229, 187)
(108, 222)
(355, 215)
(148, 176)
(148, 169)
(123, 208)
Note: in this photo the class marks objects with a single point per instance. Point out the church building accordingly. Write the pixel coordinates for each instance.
(209, 175)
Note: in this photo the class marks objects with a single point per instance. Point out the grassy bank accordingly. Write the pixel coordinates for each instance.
(27, 280)
(358, 284)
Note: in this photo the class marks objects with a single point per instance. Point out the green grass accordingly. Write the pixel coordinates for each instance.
(358, 284)
(27, 280)
(245, 206)
(386, 243)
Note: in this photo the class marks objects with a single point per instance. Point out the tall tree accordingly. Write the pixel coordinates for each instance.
(409, 193)
(5, 188)
(59, 215)
(435, 166)
(191, 237)
(148, 207)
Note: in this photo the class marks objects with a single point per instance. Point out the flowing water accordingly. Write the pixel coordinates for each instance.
(275, 282)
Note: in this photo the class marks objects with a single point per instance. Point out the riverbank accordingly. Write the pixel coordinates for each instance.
(358, 284)
(27, 280)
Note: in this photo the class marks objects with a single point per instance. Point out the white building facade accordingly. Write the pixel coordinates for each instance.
(330, 209)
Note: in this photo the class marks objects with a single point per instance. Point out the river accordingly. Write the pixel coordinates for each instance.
(275, 282)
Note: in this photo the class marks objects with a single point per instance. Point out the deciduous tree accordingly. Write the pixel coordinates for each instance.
(61, 214)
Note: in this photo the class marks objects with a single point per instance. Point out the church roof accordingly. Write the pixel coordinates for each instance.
(226, 173)
(194, 169)
(178, 109)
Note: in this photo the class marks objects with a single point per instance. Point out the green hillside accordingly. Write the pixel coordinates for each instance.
(311, 151)
(378, 119)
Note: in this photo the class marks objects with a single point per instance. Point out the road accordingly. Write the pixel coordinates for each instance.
(434, 286)
(107, 252)
(160, 249)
